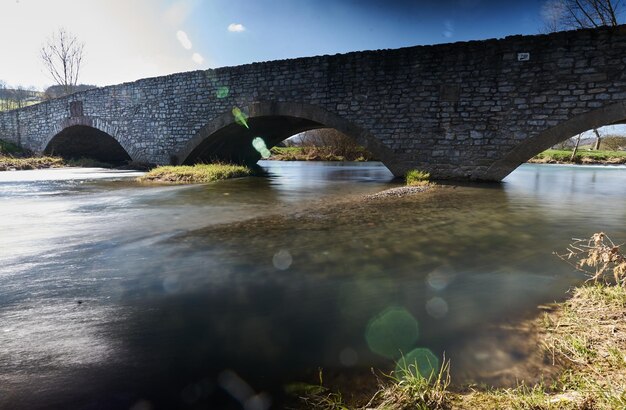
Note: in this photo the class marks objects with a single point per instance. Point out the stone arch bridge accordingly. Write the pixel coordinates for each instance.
(473, 110)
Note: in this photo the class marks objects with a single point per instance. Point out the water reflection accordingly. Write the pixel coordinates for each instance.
(190, 296)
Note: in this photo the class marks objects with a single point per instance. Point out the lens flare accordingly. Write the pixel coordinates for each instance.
(222, 92)
(437, 307)
(240, 117)
(420, 361)
(282, 259)
(392, 332)
(259, 144)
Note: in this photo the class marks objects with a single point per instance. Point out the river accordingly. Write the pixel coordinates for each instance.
(115, 294)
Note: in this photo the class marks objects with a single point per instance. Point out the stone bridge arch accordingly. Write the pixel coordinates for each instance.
(607, 115)
(89, 137)
(224, 139)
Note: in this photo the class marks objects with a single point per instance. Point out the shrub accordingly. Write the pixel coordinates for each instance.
(417, 177)
(614, 143)
(8, 148)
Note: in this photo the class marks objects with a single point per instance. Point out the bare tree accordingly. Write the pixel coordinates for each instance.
(574, 14)
(592, 13)
(4, 102)
(62, 56)
(571, 158)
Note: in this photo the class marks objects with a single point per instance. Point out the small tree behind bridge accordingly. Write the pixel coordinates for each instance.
(62, 56)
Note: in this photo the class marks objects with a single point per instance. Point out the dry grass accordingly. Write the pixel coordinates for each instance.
(195, 174)
(599, 253)
(10, 163)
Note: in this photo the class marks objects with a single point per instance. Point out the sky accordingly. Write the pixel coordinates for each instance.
(126, 40)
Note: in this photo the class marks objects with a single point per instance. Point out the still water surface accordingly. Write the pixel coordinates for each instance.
(115, 294)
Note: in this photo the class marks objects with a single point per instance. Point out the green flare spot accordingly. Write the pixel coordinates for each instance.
(392, 332)
(222, 92)
(259, 144)
(418, 362)
(240, 117)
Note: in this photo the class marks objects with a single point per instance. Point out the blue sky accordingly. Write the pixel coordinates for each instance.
(130, 39)
(292, 28)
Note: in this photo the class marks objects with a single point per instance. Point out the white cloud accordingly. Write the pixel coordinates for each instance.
(197, 58)
(236, 28)
(552, 13)
(448, 31)
(183, 39)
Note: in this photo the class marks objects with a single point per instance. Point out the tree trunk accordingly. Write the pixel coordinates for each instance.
(596, 146)
(575, 149)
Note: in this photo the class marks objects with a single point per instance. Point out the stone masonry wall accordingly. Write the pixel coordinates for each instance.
(452, 109)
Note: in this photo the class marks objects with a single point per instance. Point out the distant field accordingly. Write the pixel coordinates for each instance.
(582, 157)
(6, 105)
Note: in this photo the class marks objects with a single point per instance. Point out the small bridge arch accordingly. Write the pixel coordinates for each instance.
(223, 138)
(607, 115)
(85, 137)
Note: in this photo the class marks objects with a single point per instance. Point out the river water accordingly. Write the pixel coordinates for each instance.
(115, 294)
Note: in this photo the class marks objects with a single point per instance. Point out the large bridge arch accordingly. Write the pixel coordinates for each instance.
(607, 115)
(85, 137)
(224, 138)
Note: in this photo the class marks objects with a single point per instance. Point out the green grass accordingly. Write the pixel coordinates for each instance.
(409, 389)
(417, 177)
(582, 156)
(195, 174)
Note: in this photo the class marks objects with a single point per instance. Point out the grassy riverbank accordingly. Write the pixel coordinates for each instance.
(10, 163)
(553, 156)
(195, 174)
(13, 157)
(581, 353)
(315, 153)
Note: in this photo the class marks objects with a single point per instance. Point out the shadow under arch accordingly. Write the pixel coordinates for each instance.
(84, 137)
(223, 139)
(607, 115)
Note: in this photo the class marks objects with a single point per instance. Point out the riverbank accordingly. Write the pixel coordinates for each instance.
(577, 362)
(582, 157)
(314, 153)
